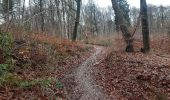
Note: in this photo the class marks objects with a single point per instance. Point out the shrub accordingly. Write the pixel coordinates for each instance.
(29, 84)
(3, 69)
(58, 84)
(8, 79)
(6, 41)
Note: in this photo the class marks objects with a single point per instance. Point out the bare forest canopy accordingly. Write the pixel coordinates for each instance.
(58, 17)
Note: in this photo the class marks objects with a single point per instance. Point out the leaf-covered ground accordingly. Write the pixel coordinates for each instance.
(40, 63)
(43, 67)
(136, 76)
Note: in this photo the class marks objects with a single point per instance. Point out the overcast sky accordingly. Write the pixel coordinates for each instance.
(133, 3)
(136, 3)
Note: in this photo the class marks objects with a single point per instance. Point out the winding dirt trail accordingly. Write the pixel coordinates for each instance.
(86, 88)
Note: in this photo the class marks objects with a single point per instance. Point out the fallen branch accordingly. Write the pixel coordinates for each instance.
(138, 62)
(164, 56)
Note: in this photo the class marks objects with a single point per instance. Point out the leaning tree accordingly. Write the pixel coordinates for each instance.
(124, 6)
(123, 24)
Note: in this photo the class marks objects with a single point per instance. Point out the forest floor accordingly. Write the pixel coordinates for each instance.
(136, 76)
(41, 63)
(49, 68)
(113, 74)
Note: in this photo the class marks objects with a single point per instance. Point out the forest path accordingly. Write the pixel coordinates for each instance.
(86, 88)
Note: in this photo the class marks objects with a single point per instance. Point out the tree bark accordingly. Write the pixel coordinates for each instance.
(41, 15)
(145, 26)
(123, 26)
(23, 11)
(77, 20)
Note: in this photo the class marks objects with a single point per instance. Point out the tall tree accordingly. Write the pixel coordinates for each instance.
(122, 22)
(145, 28)
(41, 5)
(23, 10)
(124, 6)
(77, 20)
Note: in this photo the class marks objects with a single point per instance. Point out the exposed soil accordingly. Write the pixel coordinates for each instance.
(80, 83)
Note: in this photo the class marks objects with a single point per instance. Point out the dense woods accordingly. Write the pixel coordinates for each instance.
(76, 49)
(57, 17)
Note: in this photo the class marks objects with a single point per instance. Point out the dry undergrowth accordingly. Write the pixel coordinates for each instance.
(101, 40)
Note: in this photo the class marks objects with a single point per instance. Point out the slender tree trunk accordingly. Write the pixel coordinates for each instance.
(23, 10)
(123, 26)
(59, 18)
(64, 27)
(77, 20)
(42, 15)
(51, 13)
(19, 11)
(145, 26)
(95, 21)
(32, 21)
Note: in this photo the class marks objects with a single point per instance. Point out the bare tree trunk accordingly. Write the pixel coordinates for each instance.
(42, 15)
(59, 18)
(95, 21)
(123, 26)
(23, 10)
(145, 28)
(52, 13)
(63, 18)
(77, 20)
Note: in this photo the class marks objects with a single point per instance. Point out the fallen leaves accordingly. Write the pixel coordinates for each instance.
(135, 76)
(49, 57)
